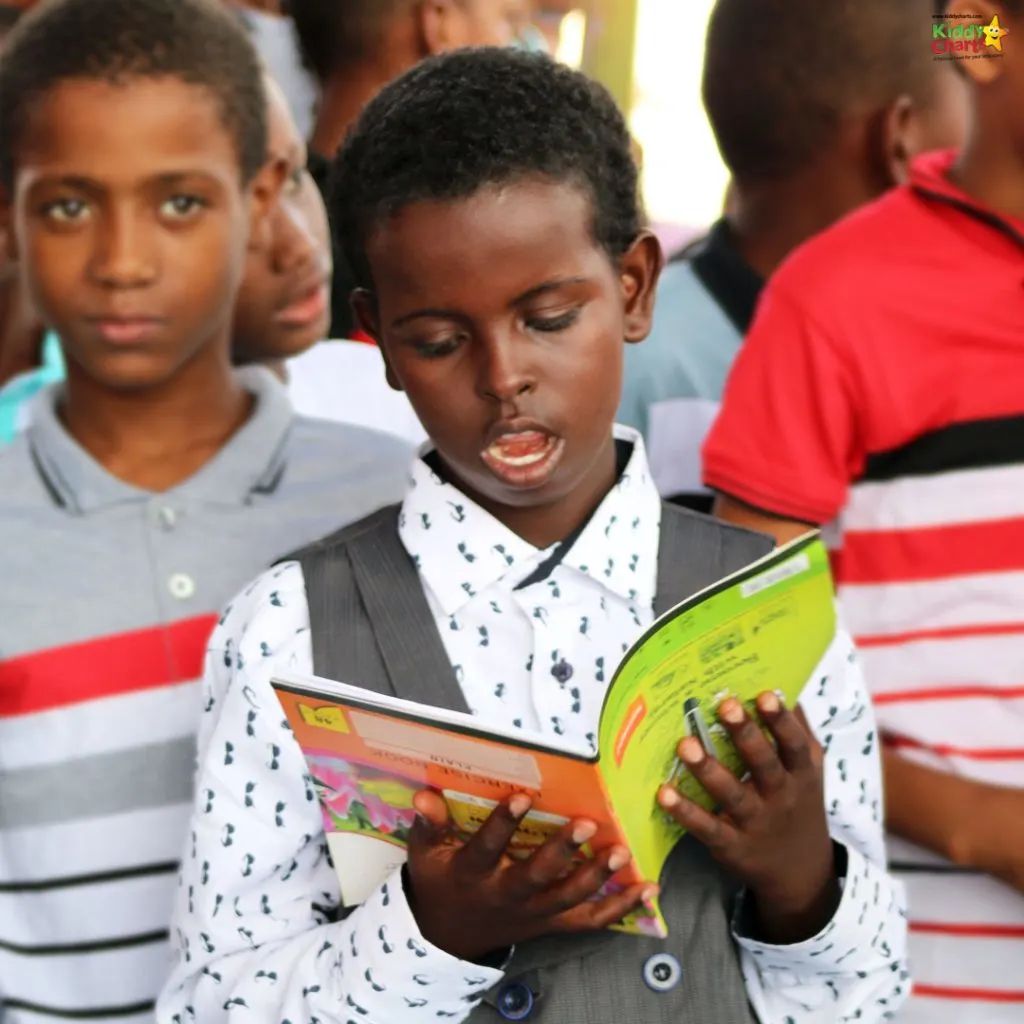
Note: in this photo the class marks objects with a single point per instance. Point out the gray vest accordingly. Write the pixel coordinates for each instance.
(371, 624)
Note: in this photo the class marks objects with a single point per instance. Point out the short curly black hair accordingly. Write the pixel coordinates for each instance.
(463, 121)
(779, 75)
(197, 41)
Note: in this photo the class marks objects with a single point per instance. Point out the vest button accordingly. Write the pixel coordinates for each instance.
(662, 972)
(515, 1001)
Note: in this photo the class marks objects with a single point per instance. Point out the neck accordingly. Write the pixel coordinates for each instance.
(991, 167)
(343, 100)
(156, 438)
(21, 335)
(771, 219)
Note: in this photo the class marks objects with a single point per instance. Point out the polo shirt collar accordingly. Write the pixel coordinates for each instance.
(253, 461)
(460, 549)
(929, 178)
(732, 282)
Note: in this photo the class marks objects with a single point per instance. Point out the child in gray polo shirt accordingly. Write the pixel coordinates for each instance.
(149, 487)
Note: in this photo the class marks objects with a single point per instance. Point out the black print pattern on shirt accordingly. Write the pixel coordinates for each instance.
(257, 928)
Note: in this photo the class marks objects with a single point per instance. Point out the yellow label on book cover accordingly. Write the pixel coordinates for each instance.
(324, 718)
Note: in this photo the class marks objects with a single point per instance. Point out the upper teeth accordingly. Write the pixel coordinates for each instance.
(497, 452)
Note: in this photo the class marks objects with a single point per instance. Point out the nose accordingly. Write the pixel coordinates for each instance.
(504, 373)
(124, 255)
(293, 246)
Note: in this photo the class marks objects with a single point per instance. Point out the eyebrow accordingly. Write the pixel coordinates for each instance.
(451, 314)
(93, 187)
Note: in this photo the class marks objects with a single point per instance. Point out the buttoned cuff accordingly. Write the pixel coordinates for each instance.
(392, 969)
(842, 944)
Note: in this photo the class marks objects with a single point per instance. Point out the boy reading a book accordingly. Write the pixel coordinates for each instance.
(489, 204)
(149, 486)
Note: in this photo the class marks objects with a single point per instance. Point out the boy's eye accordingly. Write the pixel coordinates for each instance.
(554, 323)
(67, 211)
(293, 183)
(180, 207)
(436, 349)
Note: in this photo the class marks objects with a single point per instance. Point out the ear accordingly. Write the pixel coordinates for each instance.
(364, 308)
(639, 270)
(264, 193)
(442, 26)
(895, 142)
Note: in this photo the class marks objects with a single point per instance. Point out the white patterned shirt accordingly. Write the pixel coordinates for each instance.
(251, 924)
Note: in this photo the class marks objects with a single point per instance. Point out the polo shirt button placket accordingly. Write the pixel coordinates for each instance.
(181, 586)
(168, 517)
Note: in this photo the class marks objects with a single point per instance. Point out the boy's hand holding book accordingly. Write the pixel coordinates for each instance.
(472, 899)
(771, 831)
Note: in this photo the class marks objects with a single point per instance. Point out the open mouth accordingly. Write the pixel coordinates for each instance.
(524, 458)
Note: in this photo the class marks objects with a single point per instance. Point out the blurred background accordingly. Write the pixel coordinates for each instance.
(649, 53)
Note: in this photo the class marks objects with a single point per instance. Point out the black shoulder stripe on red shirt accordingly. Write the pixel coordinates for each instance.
(976, 444)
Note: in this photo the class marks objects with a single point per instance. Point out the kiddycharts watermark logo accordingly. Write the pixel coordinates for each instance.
(957, 37)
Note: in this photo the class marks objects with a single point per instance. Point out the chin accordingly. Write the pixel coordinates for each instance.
(272, 350)
(131, 372)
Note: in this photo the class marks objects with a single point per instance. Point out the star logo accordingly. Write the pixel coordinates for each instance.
(994, 34)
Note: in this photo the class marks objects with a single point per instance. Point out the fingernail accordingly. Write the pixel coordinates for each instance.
(519, 805)
(691, 751)
(618, 860)
(669, 797)
(582, 832)
(648, 895)
(732, 712)
(770, 703)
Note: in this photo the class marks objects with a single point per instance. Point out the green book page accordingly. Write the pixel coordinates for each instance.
(765, 628)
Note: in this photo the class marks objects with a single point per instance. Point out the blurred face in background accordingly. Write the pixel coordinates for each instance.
(284, 304)
(487, 22)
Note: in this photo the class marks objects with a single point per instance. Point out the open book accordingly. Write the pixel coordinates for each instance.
(763, 628)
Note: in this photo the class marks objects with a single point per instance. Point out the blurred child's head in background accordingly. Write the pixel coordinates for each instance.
(284, 303)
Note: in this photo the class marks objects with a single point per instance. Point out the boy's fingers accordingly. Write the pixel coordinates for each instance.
(729, 794)
(431, 807)
(551, 861)
(586, 880)
(483, 852)
(704, 826)
(766, 769)
(601, 914)
(431, 826)
(794, 738)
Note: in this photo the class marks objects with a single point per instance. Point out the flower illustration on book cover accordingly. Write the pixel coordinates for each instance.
(355, 797)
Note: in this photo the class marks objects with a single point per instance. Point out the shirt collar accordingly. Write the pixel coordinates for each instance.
(461, 550)
(252, 461)
(731, 281)
(930, 179)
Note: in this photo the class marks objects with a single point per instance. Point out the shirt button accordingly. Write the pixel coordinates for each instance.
(662, 972)
(515, 1001)
(562, 671)
(181, 586)
(168, 517)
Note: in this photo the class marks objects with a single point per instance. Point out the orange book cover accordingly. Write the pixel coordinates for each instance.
(366, 765)
(763, 628)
